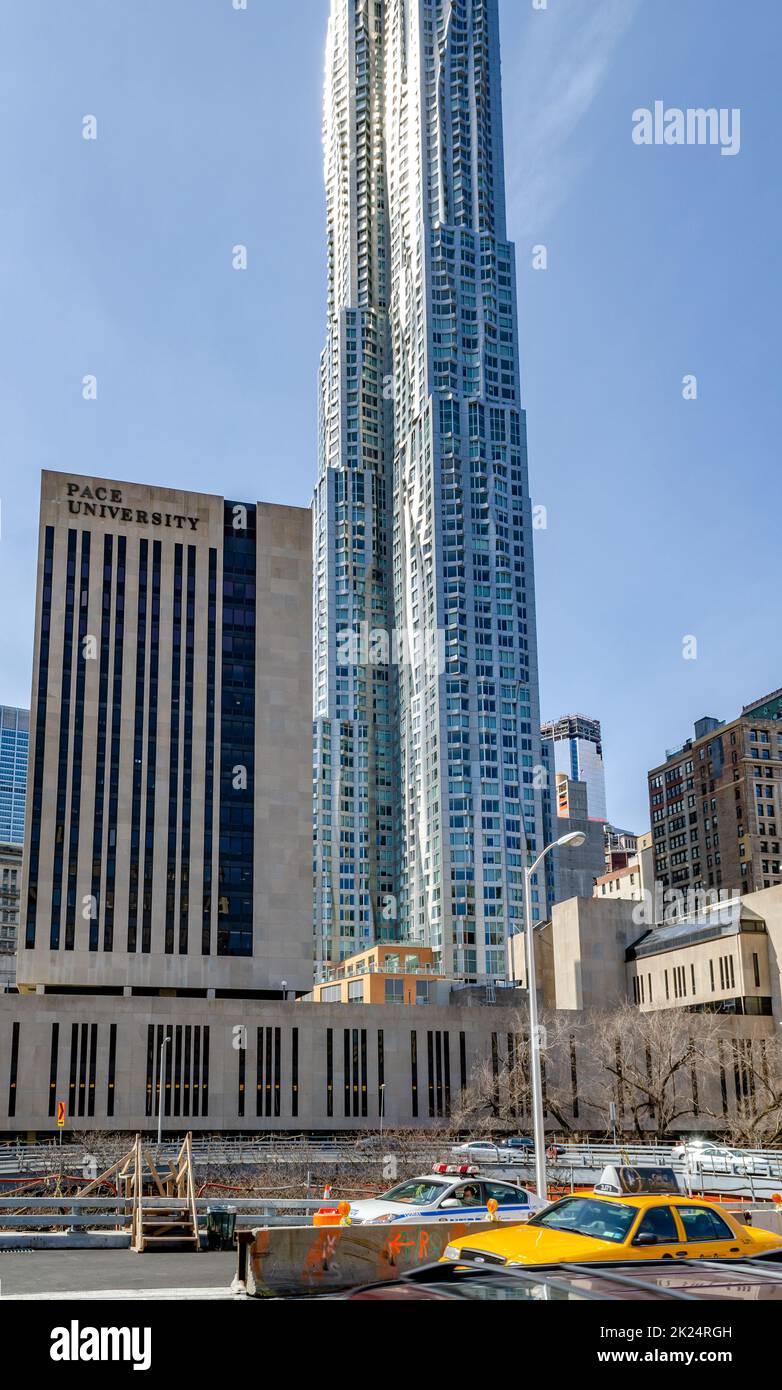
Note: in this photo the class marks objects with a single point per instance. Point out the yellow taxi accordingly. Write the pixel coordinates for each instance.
(632, 1214)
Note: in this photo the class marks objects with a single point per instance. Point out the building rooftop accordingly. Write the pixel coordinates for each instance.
(723, 919)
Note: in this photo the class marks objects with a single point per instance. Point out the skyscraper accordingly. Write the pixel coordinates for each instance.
(578, 754)
(14, 739)
(169, 772)
(428, 769)
(355, 772)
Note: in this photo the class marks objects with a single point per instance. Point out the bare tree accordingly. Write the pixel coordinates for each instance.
(655, 1066)
(757, 1119)
(498, 1095)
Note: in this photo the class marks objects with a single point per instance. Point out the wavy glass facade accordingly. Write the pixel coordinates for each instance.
(432, 504)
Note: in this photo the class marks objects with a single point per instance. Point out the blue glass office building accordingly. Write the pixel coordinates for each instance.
(14, 738)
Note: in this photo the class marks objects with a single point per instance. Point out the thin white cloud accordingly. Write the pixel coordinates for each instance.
(562, 56)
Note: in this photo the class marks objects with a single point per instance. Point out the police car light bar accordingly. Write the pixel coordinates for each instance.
(461, 1170)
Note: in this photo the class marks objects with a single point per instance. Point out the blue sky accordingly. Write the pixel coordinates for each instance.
(115, 259)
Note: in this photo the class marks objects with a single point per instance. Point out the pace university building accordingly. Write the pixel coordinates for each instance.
(168, 845)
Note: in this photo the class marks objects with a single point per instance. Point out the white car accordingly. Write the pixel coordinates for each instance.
(719, 1158)
(448, 1193)
(475, 1150)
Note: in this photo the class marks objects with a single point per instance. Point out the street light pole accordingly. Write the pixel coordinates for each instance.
(574, 838)
(163, 1046)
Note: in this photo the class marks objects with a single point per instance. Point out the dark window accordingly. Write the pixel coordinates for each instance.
(660, 1223)
(205, 1065)
(294, 1071)
(111, 1086)
(40, 737)
(12, 1077)
(148, 1105)
(174, 746)
(242, 1069)
(53, 1068)
(93, 1065)
(209, 766)
(152, 717)
(138, 738)
(237, 734)
(700, 1223)
(116, 746)
(503, 1194)
(76, 768)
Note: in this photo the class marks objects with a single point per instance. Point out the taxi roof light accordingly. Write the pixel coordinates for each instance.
(619, 1180)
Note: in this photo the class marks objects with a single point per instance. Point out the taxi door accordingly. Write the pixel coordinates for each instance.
(658, 1236)
(707, 1234)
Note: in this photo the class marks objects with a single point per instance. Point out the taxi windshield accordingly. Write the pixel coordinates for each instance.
(586, 1216)
(418, 1191)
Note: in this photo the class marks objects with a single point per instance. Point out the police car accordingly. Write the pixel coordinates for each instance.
(450, 1192)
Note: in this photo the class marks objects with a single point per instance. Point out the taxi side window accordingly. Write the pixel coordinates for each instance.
(702, 1224)
(659, 1222)
(503, 1194)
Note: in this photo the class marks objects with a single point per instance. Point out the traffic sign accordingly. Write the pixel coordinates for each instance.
(62, 1111)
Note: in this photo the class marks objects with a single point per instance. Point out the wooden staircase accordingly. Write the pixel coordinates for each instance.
(163, 1203)
(164, 1216)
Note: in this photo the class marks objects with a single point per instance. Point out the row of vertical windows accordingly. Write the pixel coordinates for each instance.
(100, 751)
(78, 745)
(173, 771)
(116, 737)
(62, 748)
(237, 733)
(209, 762)
(40, 737)
(152, 717)
(138, 744)
(177, 1073)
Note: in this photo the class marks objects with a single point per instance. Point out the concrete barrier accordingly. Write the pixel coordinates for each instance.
(765, 1218)
(64, 1240)
(302, 1259)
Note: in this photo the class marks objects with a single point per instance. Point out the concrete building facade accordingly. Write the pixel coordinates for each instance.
(266, 1066)
(575, 869)
(635, 878)
(170, 779)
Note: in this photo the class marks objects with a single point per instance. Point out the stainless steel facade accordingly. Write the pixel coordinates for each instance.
(428, 769)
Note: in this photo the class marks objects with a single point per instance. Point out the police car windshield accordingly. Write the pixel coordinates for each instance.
(416, 1192)
(585, 1216)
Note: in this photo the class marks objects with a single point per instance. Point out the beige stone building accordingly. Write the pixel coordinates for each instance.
(169, 796)
(724, 958)
(632, 879)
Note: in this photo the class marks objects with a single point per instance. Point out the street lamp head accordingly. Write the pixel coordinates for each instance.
(572, 840)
